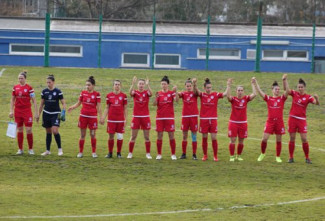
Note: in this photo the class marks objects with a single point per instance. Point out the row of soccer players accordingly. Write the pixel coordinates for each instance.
(116, 110)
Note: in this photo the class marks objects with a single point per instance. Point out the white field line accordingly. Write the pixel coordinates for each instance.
(164, 212)
(271, 141)
(1, 72)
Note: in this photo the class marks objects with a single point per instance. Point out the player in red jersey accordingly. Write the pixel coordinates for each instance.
(90, 101)
(209, 116)
(297, 117)
(165, 116)
(190, 114)
(274, 123)
(20, 108)
(238, 120)
(141, 116)
(116, 109)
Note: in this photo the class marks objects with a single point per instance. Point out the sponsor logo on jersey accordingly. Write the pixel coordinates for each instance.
(50, 97)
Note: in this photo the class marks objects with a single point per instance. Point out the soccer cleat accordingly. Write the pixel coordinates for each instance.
(60, 152)
(291, 160)
(94, 155)
(31, 152)
(119, 156)
(232, 159)
(239, 158)
(278, 159)
(159, 157)
(20, 152)
(80, 155)
(109, 155)
(183, 156)
(149, 157)
(174, 157)
(308, 161)
(46, 153)
(205, 157)
(215, 159)
(130, 155)
(261, 157)
(194, 157)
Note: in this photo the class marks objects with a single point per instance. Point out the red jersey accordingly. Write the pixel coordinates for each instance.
(239, 109)
(89, 103)
(165, 105)
(209, 104)
(23, 94)
(116, 104)
(299, 104)
(275, 106)
(141, 103)
(189, 104)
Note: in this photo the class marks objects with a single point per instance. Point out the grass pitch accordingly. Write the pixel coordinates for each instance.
(60, 186)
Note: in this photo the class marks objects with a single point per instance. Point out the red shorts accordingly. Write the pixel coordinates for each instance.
(297, 125)
(237, 129)
(24, 119)
(189, 123)
(274, 127)
(165, 125)
(141, 123)
(208, 126)
(91, 123)
(113, 128)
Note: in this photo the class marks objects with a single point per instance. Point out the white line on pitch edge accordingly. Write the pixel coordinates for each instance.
(1, 72)
(165, 212)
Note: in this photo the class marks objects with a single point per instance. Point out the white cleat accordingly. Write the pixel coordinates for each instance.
(149, 157)
(31, 152)
(80, 155)
(130, 156)
(174, 157)
(60, 152)
(94, 155)
(159, 157)
(46, 153)
(20, 152)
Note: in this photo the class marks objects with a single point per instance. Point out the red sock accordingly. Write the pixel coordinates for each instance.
(232, 149)
(305, 147)
(159, 146)
(20, 139)
(263, 147)
(291, 148)
(215, 148)
(110, 145)
(278, 148)
(81, 145)
(194, 147)
(240, 148)
(131, 146)
(172, 144)
(205, 145)
(30, 141)
(184, 145)
(119, 145)
(93, 144)
(148, 145)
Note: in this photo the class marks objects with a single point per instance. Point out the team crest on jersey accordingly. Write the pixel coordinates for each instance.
(168, 95)
(120, 98)
(304, 99)
(54, 93)
(278, 100)
(242, 101)
(92, 96)
(143, 95)
(212, 97)
(25, 90)
(191, 95)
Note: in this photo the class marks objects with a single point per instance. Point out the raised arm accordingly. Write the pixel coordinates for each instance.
(148, 86)
(258, 89)
(155, 102)
(195, 89)
(176, 94)
(285, 85)
(253, 95)
(131, 90)
(229, 83)
(228, 87)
